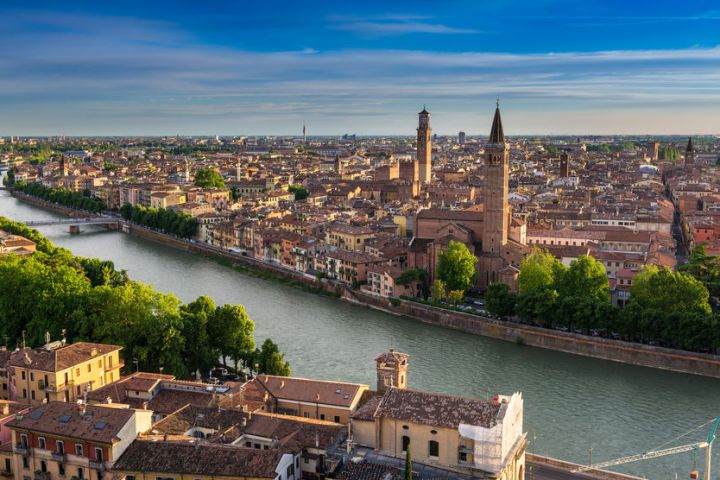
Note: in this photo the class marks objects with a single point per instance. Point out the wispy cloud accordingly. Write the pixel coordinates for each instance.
(394, 24)
(150, 78)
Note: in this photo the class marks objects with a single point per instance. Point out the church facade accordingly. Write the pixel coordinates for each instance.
(488, 230)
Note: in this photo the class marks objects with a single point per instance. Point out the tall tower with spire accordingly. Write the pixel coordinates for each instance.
(424, 147)
(304, 134)
(497, 211)
(689, 155)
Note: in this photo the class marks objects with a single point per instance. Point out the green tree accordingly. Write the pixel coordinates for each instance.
(584, 278)
(232, 333)
(538, 270)
(300, 192)
(271, 361)
(705, 268)
(413, 277)
(456, 266)
(208, 178)
(408, 464)
(456, 296)
(437, 291)
(500, 300)
(668, 291)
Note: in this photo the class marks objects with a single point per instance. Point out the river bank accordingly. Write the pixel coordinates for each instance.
(521, 334)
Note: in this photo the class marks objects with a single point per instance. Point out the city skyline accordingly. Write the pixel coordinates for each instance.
(559, 68)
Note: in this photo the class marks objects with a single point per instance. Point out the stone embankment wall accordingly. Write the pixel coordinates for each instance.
(39, 202)
(602, 348)
(531, 460)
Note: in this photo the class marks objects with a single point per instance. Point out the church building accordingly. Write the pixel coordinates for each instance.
(488, 230)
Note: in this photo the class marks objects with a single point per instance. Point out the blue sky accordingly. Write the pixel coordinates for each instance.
(245, 68)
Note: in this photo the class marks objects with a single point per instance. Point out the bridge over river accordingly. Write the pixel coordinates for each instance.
(76, 223)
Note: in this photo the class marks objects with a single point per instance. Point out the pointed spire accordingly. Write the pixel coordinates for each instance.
(424, 111)
(496, 132)
(690, 147)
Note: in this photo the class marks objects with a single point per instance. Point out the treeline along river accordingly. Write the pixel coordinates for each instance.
(572, 403)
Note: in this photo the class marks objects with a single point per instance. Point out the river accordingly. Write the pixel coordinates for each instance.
(572, 403)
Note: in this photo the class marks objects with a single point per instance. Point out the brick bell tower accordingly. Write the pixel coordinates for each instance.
(424, 147)
(497, 211)
(392, 368)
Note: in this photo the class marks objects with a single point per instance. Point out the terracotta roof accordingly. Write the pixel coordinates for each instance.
(312, 391)
(62, 358)
(97, 424)
(437, 410)
(198, 459)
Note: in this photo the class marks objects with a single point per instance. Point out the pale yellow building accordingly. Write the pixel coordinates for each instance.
(61, 372)
(481, 438)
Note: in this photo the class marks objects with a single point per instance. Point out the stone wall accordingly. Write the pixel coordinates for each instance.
(531, 460)
(602, 348)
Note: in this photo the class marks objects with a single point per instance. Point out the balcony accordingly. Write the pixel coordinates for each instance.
(21, 449)
(42, 475)
(59, 457)
(97, 465)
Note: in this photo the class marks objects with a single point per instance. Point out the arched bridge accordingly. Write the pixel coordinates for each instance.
(76, 223)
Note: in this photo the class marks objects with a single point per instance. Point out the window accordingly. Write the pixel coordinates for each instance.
(43, 466)
(78, 450)
(41, 443)
(23, 440)
(322, 416)
(462, 457)
(99, 363)
(337, 419)
(89, 367)
(99, 455)
(306, 414)
(81, 473)
(22, 375)
(32, 394)
(24, 393)
(60, 447)
(61, 469)
(256, 445)
(248, 444)
(405, 443)
(77, 372)
(433, 449)
(32, 376)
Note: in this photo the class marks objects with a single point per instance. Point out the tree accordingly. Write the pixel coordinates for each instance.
(705, 268)
(538, 306)
(538, 270)
(668, 291)
(232, 332)
(300, 192)
(456, 266)
(437, 291)
(456, 296)
(408, 464)
(208, 178)
(585, 278)
(500, 300)
(412, 277)
(271, 361)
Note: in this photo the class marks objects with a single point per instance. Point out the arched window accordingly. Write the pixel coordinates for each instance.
(433, 449)
(405, 443)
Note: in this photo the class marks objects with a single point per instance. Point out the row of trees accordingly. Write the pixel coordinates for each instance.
(61, 196)
(668, 308)
(53, 291)
(164, 219)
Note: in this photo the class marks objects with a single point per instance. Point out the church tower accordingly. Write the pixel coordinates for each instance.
(497, 211)
(392, 368)
(64, 166)
(689, 155)
(424, 147)
(564, 157)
